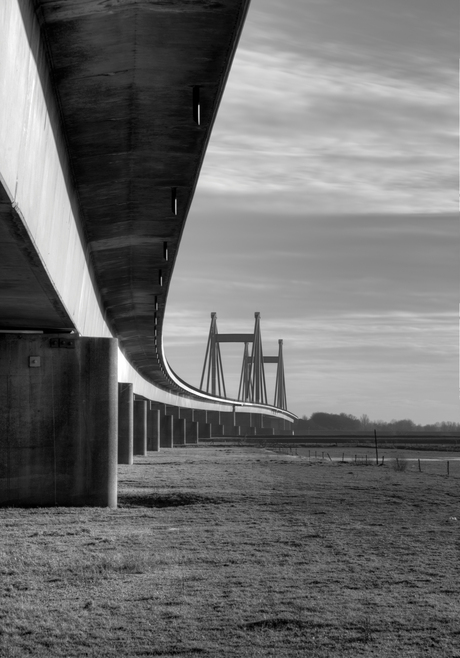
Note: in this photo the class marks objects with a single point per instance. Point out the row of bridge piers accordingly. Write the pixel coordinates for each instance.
(66, 421)
(145, 425)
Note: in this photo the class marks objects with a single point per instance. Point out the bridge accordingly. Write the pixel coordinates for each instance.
(106, 109)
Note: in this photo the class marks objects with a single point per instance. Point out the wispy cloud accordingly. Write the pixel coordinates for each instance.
(325, 134)
(340, 108)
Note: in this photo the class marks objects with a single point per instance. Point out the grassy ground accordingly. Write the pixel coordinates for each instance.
(432, 462)
(238, 552)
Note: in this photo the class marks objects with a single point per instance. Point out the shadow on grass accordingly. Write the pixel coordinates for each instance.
(276, 624)
(167, 500)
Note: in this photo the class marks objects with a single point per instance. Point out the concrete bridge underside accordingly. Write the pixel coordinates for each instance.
(106, 108)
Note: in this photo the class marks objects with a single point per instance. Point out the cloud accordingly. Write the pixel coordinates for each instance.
(298, 128)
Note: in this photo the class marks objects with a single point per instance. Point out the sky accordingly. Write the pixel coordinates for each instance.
(328, 202)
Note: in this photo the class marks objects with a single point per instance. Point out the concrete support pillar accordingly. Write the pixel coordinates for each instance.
(200, 415)
(167, 431)
(204, 430)
(160, 406)
(257, 420)
(192, 431)
(243, 420)
(153, 429)
(232, 430)
(264, 431)
(228, 418)
(217, 430)
(213, 417)
(172, 411)
(277, 424)
(58, 420)
(125, 423)
(186, 413)
(140, 427)
(248, 431)
(179, 431)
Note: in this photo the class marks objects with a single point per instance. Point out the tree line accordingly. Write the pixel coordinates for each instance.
(347, 422)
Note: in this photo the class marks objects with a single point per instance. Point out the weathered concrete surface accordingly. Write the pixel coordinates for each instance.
(180, 425)
(192, 431)
(204, 430)
(153, 428)
(140, 427)
(58, 420)
(125, 423)
(167, 431)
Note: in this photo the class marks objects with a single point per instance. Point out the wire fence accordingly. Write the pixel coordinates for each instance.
(431, 463)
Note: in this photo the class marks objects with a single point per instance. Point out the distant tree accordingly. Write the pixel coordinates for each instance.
(405, 425)
(320, 420)
(365, 422)
(335, 421)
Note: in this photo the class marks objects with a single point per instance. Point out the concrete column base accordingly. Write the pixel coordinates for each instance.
(264, 431)
(217, 430)
(180, 431)
(204, 430)
(213, 417)
(153, 429)
(191, 431)
(167, 431)
(140, 428)
(125, 423)
(58, 420)
(200, 415)
(231, 430)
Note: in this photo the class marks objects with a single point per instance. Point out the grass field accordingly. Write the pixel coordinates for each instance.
(239, 552)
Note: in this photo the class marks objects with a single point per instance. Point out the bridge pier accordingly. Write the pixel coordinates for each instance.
(153, 428)
(125, 423)
(167, 431)
(204, 430)
(192, 431)
(244, 422)
(191, 424)
(231, 430)
(140, 427)
(179, 431)
(58, 420)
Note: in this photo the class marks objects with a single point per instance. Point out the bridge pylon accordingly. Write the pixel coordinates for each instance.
(252, 386)
(215, 383)
(280, 384)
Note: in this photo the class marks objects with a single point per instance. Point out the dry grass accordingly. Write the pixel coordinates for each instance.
(400, 464)
(240, 553)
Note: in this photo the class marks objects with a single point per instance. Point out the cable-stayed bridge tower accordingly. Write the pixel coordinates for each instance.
(252, 386)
